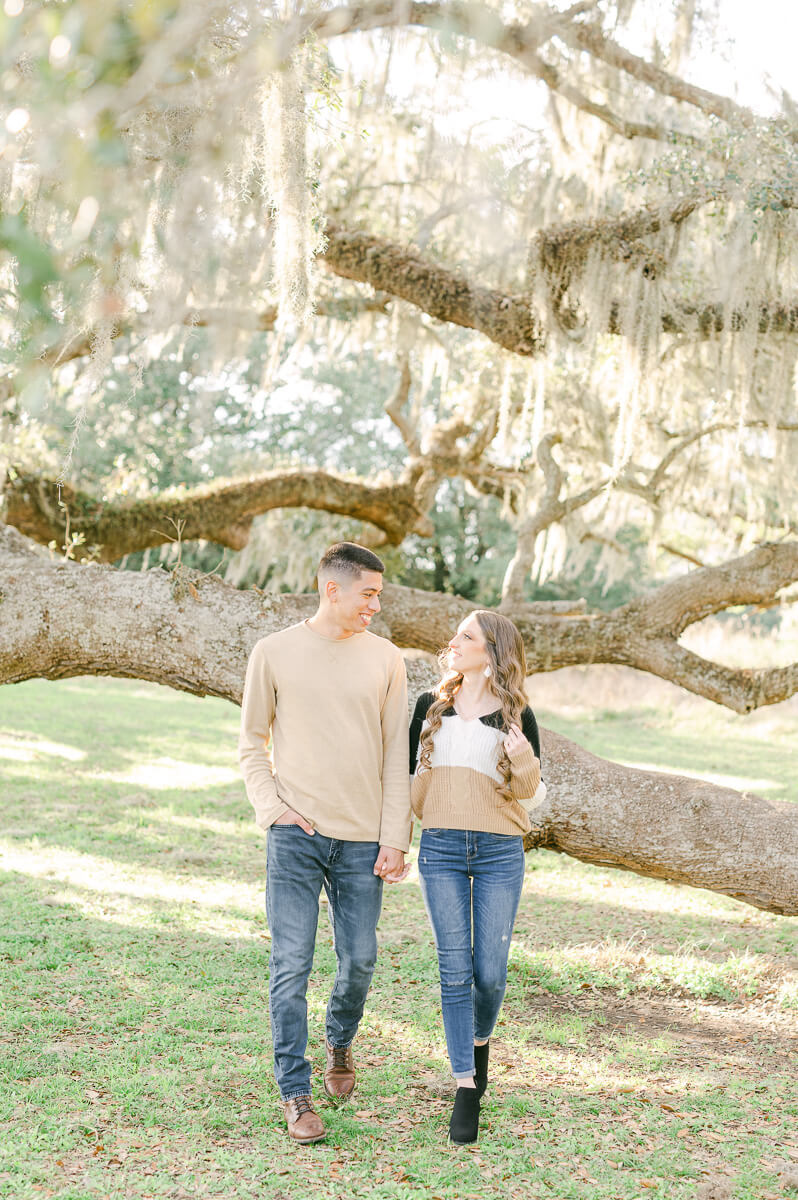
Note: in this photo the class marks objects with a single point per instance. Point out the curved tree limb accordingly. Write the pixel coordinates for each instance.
(643, 634)
(616, 816)
(445, 294)
(755, 578)
(220, 512)
(194, 633)
(588, 37)
(51, 511)
(741, 690)
(522, 43)
(507, 318)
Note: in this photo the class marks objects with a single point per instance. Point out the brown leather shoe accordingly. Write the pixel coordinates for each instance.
(304, 1124)
(339, 1075)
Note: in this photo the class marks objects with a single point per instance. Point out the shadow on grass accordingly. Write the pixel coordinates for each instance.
(145, 1052)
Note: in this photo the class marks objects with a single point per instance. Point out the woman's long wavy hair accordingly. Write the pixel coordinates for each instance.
(507, 660)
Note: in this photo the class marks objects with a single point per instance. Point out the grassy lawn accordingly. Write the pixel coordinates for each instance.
(647, 1046)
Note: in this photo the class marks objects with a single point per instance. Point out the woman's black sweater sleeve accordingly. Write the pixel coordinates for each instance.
(419, 713)
(529, 728)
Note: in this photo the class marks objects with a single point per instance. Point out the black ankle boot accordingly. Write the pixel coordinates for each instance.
(481, 1054)
(464, 1125)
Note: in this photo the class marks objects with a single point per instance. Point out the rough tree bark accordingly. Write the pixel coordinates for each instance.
(220, 512)
(667, 826)
(508, 319)
(59, 619)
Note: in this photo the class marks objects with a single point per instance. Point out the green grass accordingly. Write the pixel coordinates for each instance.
(647, 1042)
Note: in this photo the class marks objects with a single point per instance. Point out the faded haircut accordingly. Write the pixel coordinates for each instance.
(348, 560)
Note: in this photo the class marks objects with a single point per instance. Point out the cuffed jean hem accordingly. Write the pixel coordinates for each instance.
(471, 1076)
(343, 1045)
(294, 1095)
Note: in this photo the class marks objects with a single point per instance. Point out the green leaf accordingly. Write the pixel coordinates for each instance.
(36, 266)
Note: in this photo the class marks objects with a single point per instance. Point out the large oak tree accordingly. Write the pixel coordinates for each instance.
(588, 319)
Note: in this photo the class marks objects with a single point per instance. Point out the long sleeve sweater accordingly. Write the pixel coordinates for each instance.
(335, 712)
(459, 790)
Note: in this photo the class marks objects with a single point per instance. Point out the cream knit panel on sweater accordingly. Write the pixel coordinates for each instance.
(459, 790)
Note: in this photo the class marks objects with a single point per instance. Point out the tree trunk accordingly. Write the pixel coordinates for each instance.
(59, 619)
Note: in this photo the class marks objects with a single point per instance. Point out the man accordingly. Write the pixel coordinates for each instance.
(334, 796)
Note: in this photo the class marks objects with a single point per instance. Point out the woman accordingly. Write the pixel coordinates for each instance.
(475, 759)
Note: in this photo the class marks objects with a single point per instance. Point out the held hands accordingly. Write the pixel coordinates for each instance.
(515, 743)
(390, 865)
(289, 817)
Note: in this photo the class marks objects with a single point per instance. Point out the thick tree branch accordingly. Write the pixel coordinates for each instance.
(614, 816)
(445, 294)
(642, 634)
(588, 37)
(222, 512)
(741, 690)
(508, 319)
(59, 619)
(755, 578)
(560, 249)
(522, 43)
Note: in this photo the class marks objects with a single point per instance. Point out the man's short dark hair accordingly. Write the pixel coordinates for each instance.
(347, 558)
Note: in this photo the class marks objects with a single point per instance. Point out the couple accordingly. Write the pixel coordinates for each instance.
(333, 794)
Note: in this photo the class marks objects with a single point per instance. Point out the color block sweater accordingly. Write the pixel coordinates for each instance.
(335, 712)
(459, 789)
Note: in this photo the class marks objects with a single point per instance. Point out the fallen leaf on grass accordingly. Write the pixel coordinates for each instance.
(714, 1189)
(787, 1173)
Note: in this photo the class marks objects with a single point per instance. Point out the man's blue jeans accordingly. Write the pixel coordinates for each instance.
(471, 884)
(298, 865)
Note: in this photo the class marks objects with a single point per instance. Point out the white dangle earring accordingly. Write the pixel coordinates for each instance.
(487, 672)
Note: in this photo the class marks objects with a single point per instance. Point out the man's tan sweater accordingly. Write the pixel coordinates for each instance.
(336, 713)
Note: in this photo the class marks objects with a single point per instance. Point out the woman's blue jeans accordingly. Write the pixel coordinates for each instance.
(298, 865)
(471, 884)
